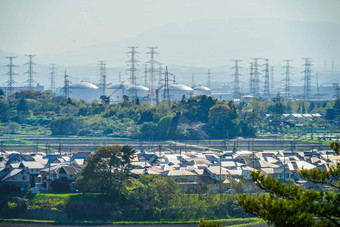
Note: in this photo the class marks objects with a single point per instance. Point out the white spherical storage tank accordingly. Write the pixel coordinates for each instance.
(84, 90)
(177, 91)
(201, 90)
(117, 91)
(141, 91)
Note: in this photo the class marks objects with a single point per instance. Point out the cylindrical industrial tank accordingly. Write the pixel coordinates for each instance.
(85, 90)
(201, 90)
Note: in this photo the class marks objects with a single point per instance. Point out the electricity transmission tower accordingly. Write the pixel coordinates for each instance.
(209, 79)
(272, 78)
(66, 87)
(52, 78)
(146, 75)
(152, 62)
(102, 74)
(287, 73)
(10, 73)
(133, 70)
(256, 79)
(160, 79)
(266, 79)
(317, 86)
(237, 94)
(166, 95)
(30, 72)
(337, 91)
(193, 80)
(251, 81)
(307, 89)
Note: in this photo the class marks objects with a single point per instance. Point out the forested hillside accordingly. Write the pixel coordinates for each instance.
(200, 117)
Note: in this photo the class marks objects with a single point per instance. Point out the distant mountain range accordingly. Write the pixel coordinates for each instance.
(195, 46)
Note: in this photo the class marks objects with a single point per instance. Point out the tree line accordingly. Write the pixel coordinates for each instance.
(199, 117)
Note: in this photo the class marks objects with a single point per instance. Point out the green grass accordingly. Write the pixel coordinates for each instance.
(306, 140)
(55, 201)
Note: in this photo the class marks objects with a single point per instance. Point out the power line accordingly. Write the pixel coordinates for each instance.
(266, 79)
(30, 71)
(52, 78)
(307, 89)
(237, 94)
(10, 73)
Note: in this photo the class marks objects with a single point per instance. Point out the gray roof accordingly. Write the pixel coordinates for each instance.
(11, 174)
(32, 165)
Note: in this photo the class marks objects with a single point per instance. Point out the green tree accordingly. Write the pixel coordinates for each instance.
(4, 110)
(223, 121)
(107, 170)
(65, 126)
(291, 205)
(148, 130)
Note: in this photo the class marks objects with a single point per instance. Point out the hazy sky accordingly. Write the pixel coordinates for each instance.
(48, 27)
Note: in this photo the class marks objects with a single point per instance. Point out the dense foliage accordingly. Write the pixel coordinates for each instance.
(199, 117)
(291, 205)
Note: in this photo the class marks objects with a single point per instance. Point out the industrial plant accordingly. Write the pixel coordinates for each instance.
(253, 80)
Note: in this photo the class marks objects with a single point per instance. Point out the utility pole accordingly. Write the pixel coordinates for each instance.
(256, 78)
(133, 70)
(237, 94)
(102, 74)
(266, 79)
(166, 95)
(30, 71)
(66, 87)
(52, 78)
(152, 69)
(119, 77)
(307, 89)
(209, 79)
(10, 73)
(287, 73)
